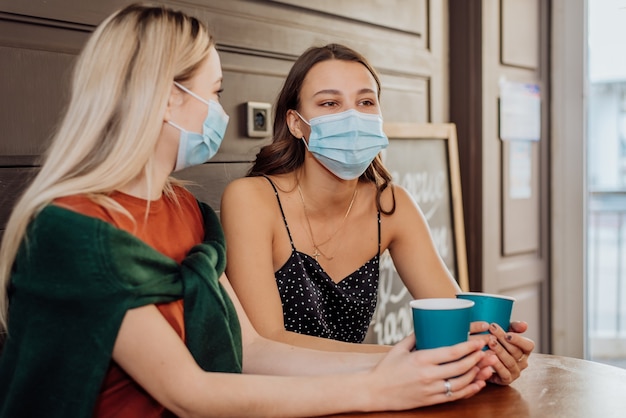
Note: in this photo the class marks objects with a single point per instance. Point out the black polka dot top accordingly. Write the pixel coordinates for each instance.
(314, 304)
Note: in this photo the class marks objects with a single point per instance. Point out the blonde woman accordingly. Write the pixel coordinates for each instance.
(113, 295)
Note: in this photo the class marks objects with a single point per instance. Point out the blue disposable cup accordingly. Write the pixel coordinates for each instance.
(440, 322)
(490, 308)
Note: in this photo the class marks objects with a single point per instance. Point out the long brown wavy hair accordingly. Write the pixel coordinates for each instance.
(286, 153)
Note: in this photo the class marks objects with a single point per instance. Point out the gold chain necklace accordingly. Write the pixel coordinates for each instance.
(316, 247)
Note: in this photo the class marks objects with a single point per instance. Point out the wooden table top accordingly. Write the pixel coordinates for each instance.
(551, 386)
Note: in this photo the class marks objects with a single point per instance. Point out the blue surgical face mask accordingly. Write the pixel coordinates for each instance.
(346, 143)
(195, 148)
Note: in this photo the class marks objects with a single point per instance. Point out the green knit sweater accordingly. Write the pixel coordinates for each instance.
(73, 280)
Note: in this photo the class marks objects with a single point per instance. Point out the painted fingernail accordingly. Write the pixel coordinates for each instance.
(494, 327)
(509, 337)
(493, 341)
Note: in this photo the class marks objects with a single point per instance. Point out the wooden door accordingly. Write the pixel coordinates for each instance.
(495, 45)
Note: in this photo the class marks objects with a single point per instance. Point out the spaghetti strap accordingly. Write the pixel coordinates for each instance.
(379, 233)
(282, 212)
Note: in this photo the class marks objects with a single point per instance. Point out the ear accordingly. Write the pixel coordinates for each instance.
(174, 101)
(295, 124)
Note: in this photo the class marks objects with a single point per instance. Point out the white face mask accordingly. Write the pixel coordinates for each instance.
(346, 143)
(195, 148)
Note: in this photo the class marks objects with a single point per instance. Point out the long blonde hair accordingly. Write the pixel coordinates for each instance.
(120, 89)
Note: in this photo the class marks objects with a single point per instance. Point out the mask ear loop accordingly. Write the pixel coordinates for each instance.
(302, 137)
(301, 118)
(176, 126)
(191, 93)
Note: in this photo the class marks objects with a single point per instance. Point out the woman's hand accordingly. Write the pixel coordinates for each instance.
(407, 379)
(511, 349)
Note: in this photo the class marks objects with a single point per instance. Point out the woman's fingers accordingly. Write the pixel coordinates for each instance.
(517, 346)
(458, 351)
(428, 377)
(407, 343)
(518, 326)
(458, 388)
(512, 350)
(506, 370)
(525, 345)
(478, 326)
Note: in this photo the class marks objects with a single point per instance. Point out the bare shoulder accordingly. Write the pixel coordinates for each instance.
(403, 200)
(248, 195)
(247, 189)
(407, 223)
(245, 185)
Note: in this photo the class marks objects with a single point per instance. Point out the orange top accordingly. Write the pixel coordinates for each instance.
(121, 396)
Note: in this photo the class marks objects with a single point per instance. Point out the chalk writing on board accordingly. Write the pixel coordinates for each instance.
(430, 191)
(393, 318)
(421, 168)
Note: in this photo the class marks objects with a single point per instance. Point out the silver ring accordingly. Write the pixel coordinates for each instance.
(521, 358)
(448, 386)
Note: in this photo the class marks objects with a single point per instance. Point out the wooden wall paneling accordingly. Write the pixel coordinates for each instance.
(247, 78)
(519, 55)
(466, 98)
(209, 180)
(520, 213)
(405, 99)
(547, 198)
(515, 256)
(520, 33)
(492, 167)
(405, 15)
(282, 30)
(522, 270)
(42, 34)
(32, 102)
(528, 308)
(439, 47)
(476, 65)
(519, 47)
(38, 57)
(262, 54)
(88, 12)
(12, 183)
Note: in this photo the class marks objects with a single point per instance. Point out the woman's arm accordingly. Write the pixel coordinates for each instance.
(250, 215)
(150, 351)
(265, 356)
(413, 250)
(425, 275)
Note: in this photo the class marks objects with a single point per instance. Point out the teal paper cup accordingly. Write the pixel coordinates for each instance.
(490, 308)
(440, 322)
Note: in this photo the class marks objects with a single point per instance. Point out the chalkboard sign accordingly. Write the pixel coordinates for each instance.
(422, 158)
